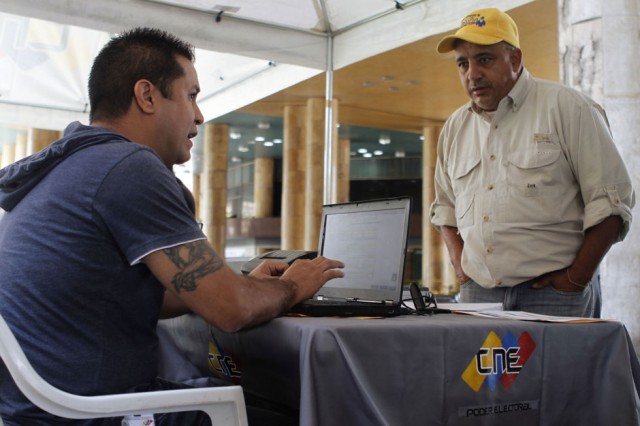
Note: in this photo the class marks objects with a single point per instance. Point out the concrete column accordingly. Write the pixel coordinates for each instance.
(21, 145)
(263, 187)
(341, 165)
(598, 45)
(336, 155)
(293, 178)
(40, 139)
(315, 171)
(214, 187)
(436, 266)
(8, 154)
(197, 196)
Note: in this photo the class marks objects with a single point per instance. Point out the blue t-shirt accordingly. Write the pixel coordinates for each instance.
(81, 306)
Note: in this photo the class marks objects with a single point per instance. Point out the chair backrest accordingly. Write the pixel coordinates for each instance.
(225, 405)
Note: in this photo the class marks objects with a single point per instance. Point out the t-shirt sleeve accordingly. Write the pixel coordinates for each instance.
(143, 207)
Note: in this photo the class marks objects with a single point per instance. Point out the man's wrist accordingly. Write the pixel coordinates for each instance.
(462, 277)
(577, 279)
(290, 289)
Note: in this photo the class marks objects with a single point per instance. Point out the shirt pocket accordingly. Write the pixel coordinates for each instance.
(463, 173)
(537, 185)
(535, 172)
(464, 211)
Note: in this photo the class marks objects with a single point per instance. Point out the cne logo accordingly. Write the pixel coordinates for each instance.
(499, 361)
(221, 364)
(473, 19)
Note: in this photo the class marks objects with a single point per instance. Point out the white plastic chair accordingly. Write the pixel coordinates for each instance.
(224, 405)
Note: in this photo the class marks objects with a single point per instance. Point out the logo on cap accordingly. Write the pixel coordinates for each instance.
(473, 19)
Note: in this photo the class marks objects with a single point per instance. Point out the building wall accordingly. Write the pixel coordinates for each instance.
(599, 43)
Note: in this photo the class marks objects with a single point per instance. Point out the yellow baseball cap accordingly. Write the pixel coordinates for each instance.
(483, 26)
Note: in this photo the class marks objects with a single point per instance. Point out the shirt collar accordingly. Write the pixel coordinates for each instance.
(520, 89)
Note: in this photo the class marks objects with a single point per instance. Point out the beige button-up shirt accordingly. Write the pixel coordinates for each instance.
(523, 184)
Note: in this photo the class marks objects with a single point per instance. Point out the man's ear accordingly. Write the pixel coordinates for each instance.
(516, 59)
(144, 96)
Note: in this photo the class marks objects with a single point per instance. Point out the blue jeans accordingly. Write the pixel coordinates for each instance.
(546, 301)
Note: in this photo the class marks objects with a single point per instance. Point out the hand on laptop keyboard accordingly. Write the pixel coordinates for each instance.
(308, 275)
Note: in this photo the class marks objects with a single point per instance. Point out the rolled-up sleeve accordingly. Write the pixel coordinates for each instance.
(442, 210)
(604, 181)
(616, 200)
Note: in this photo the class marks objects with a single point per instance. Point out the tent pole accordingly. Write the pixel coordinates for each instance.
(328, 128)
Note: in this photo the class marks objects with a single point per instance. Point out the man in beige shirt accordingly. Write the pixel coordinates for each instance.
(531, 191)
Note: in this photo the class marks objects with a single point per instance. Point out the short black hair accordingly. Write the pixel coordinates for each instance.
(140, 53)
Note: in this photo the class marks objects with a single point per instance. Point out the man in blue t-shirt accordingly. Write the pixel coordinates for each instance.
(99, 242)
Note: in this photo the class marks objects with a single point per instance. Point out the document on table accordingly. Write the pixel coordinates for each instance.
(527, 316)
(471, 307)
(494, 310)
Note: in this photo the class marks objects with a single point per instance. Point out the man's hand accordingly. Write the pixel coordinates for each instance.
(269, 269)
(307, 276)
(597, 241)
(199, 278)
(454, 243)
(461, 276)
(560, 281)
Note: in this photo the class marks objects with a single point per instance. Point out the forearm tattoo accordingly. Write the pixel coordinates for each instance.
(194, 260)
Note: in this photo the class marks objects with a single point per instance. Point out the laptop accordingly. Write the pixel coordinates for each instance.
(370, 238)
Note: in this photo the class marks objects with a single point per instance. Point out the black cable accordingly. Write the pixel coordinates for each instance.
(430, 310)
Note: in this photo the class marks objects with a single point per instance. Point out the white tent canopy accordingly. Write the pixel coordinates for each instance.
(247, 49)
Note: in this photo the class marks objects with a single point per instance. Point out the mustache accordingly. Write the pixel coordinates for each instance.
(479, 84)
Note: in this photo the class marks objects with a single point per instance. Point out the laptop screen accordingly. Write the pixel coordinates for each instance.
(370, 238)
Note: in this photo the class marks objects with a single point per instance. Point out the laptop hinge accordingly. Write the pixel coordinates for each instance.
(381, 302)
